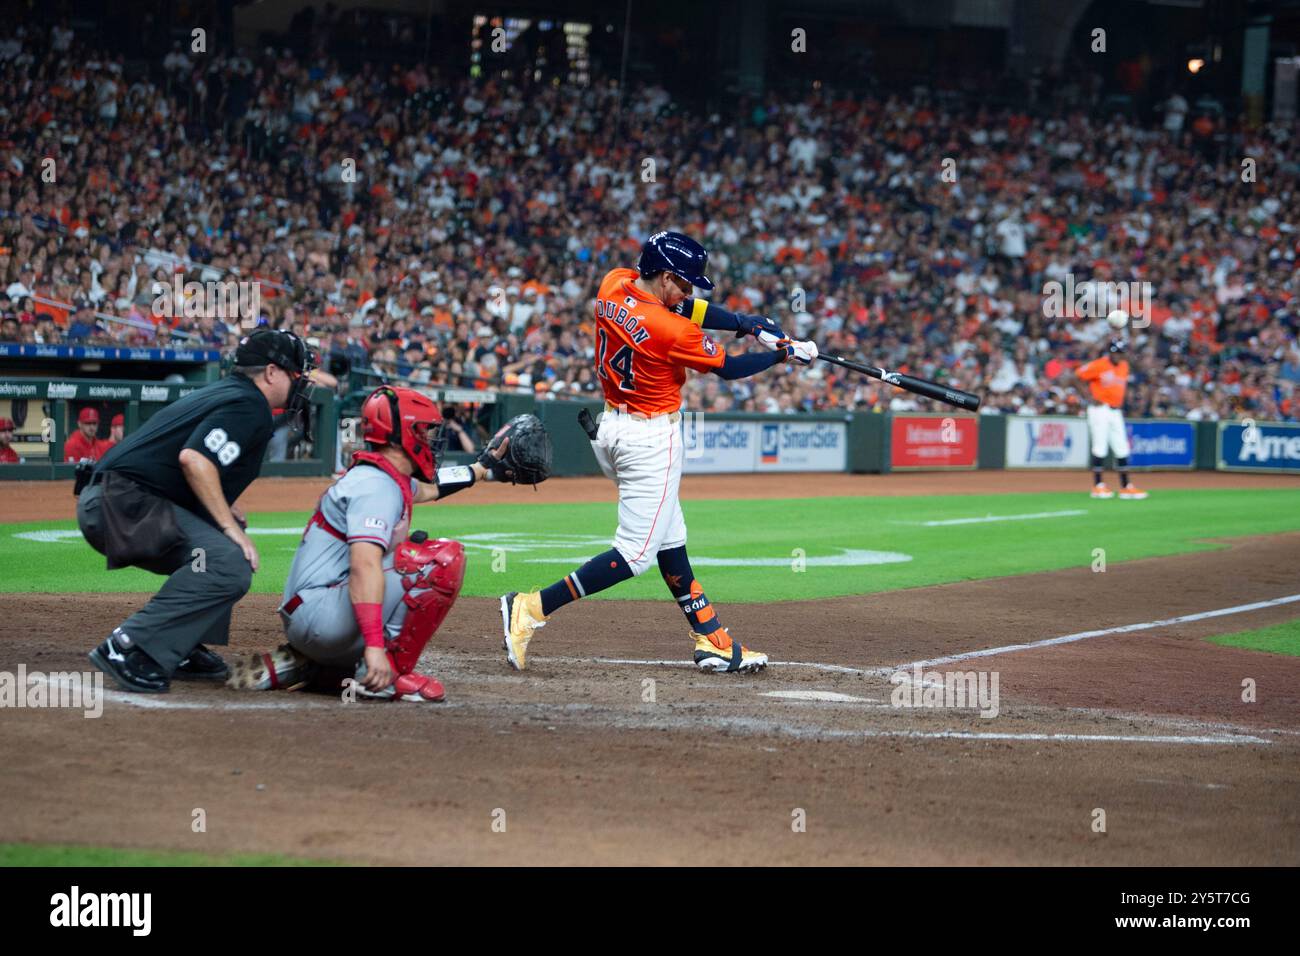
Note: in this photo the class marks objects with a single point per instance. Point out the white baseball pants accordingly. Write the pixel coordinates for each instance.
(644, 457)
(1106, 427)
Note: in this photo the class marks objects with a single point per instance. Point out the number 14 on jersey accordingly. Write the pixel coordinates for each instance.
(620, 363)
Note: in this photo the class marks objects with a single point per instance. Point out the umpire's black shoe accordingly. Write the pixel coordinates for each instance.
(131, 668)
(202, 664)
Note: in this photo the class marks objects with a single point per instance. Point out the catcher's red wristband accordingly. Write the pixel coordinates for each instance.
(371, 619)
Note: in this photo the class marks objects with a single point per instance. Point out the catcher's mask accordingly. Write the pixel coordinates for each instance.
(282, 348)
(405, 418)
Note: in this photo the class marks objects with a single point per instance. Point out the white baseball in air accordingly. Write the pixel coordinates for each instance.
(1118, 319)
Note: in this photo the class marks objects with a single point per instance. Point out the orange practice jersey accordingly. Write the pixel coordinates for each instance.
(643, 349)
(1107, 380)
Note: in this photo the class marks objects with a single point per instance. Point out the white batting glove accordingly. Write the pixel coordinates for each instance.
(803, 352)
(773, 342)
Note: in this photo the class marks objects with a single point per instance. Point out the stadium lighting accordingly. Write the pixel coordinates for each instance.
(1195, 65)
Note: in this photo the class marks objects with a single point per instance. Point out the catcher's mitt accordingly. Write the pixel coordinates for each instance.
(527, 458)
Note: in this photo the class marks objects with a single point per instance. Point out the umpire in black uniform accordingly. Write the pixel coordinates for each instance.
(161, 500)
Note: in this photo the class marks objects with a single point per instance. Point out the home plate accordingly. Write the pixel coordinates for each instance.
(818, 695)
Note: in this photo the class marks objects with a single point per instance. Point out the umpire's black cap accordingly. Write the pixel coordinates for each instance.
(274, 347)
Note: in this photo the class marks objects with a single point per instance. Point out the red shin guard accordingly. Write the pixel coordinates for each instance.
(432, 572)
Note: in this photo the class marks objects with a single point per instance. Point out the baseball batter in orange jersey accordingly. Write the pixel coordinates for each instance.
(649, 331)
(1107, 380)
(643, 350)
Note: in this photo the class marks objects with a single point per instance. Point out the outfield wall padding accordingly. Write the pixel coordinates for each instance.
(865, 438)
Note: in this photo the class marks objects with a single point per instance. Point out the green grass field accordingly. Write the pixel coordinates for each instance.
(30, 854)
(748, 551)
(1281, 638)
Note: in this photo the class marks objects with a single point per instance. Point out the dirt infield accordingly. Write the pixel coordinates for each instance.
(610, 750)
(53, 501)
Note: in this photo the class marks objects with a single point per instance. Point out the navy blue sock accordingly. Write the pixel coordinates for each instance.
(602, 571)
(676, 569)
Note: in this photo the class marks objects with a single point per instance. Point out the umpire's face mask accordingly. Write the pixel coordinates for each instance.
(298, 404)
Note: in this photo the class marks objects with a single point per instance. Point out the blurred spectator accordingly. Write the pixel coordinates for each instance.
(8, 456)
(462, 258)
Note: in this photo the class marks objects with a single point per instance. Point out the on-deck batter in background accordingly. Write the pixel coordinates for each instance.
(1107, 381)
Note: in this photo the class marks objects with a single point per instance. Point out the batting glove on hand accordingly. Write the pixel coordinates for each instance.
(755, 324)
(803, 352)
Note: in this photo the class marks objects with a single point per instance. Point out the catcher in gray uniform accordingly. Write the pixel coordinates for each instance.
(364, 595)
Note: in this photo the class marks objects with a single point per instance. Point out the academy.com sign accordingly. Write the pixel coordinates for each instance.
(1046, 442)
(1262, 446)
(154, 393)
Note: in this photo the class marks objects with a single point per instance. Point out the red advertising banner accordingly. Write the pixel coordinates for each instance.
(933, 441)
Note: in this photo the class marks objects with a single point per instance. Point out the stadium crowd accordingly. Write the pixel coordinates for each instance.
(448, 230)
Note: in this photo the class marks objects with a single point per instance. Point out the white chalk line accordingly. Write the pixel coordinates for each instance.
(1070, 738)
(1103, 632)
(1181, 723)
(162, 703)
(820, 696)
(290, 702)
(1032, 516)
(1232, 733)
(637, 662)
(167, 702)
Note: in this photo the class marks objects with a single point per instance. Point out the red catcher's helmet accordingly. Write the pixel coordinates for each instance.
(404, 417)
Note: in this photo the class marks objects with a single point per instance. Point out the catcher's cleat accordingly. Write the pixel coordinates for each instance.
(718, 653)
(1132, 493)
(1100, 490)
(521, 614)
(202, 664)
(417, 688)
(280, 669)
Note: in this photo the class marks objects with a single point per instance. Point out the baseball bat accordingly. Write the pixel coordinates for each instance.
(941, 393)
